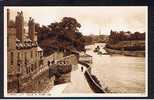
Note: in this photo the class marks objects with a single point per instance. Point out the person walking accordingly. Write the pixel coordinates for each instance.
(82, 68)
(53, 62)
(48, 63)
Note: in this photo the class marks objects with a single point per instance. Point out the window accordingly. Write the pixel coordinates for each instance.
(18, 55)
(31, 54)
(11, 58)
(36, 53)
(18, 67)
(22, 55)
(27, 70)
(35, 65)
(32, 67)
(25, 56)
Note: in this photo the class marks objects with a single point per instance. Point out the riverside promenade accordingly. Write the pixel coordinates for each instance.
(78, 84)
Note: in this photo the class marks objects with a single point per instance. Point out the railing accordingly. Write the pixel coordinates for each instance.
(72, 59)
(92, 80)
(85, 58)
(67, 57)
(94, 85)
(84, 64)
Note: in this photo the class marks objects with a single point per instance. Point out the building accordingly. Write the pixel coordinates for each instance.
(27, 72)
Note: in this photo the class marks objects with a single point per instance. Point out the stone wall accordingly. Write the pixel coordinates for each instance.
(40, 82)
(12, 84)
(63, 78)
(72, 59)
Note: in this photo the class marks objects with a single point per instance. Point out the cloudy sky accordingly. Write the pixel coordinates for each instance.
(92, 19)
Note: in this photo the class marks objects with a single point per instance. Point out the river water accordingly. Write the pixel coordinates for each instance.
(122, 74)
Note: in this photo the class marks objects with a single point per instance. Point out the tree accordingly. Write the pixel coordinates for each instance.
(55, 27)
(71, 24)
(65, 33)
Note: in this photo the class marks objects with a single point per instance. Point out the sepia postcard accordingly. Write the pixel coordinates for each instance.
(75, 51)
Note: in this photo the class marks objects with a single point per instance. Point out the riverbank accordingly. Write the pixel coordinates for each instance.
(126, 53)
(95, 84)
(122, 74)
(128, 48)
(92, 80)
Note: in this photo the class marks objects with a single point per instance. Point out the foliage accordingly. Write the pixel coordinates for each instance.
(125, 36)
(66, 33)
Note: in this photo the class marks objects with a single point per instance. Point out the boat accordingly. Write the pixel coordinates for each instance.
(99, 53)
(97, 49)
(105, 53)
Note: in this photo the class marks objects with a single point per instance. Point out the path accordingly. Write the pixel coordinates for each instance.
(58, 89)
(78, 82)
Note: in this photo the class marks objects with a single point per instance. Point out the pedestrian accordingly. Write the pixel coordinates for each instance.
(53, 62)
(48, 63)
(82, 69)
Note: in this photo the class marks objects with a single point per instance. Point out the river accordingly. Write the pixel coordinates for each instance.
(122, 74)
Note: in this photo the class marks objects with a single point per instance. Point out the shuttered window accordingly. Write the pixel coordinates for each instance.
(12, 58)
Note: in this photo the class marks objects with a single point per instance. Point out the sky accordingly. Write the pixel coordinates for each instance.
(93, 20)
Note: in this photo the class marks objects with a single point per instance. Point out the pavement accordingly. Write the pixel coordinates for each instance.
(78, 84)
(58, 89)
